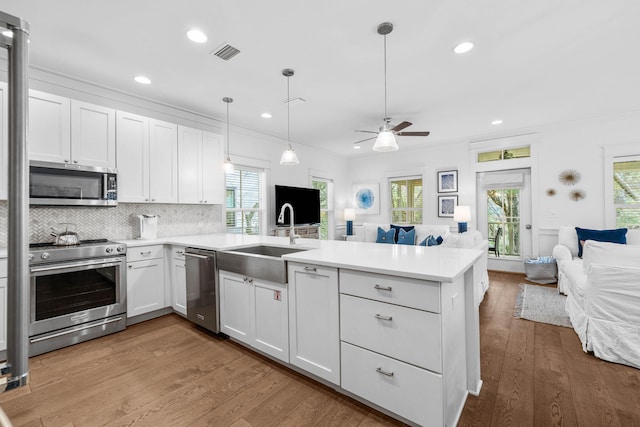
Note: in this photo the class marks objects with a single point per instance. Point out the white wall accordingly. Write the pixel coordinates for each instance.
(577, 145)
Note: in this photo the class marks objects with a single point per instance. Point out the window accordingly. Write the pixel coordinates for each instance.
(326, 205)
(503, 212)
(406, 200)
(508, 154)
(244, 201)
(626, 193)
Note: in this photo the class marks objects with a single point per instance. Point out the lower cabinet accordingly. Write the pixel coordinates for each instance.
(255, 312)
(314, 320)
(178, 279)
(3, 304)
(145, 279)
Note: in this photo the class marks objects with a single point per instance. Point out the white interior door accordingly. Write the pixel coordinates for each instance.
(504, 201)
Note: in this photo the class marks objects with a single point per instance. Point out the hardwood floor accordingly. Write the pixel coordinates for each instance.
(167, 372)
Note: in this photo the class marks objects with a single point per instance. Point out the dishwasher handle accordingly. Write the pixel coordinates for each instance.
(196, 255)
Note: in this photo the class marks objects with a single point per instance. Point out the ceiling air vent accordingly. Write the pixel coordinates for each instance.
(226, 51)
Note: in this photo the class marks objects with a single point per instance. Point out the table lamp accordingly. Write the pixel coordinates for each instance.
(349, 216)
(462, 214)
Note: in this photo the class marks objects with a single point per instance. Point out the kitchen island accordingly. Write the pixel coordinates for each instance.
(393, 326)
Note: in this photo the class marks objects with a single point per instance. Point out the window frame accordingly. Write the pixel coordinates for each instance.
(262, 200)
(614, 154)
(407, 209)
(616, 206)
(330, 205)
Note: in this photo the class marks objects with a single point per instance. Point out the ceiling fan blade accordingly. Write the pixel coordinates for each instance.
(401, 126)
(364, 140)
(365, 131)
(413, 133)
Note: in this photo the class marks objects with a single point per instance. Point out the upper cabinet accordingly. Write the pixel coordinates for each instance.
(147, 159)
(4, 138)
(69, 131)
(200, 171)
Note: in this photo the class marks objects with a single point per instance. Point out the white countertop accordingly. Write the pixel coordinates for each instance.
(418, 262)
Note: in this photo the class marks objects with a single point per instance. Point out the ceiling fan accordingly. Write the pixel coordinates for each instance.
(386, 135)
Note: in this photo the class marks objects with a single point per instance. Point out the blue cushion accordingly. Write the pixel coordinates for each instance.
(406, 237)
(386, 236)
(431, 241)
(400, 227)
(619, 235)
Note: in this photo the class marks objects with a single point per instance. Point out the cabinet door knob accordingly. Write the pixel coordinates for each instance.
(66, 161)
(153, 200)
(205, 201)
(75, 161)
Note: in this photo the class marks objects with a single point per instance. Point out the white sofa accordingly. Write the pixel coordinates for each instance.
(566, 255)
(603, 300)
(472, 239)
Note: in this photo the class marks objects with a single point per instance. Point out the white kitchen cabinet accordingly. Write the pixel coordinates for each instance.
(3, 304)
(145, 280)
(200, 167)
(255, 312)
(68, 131)
(147, 159)
(314, 320)
(4, 140)
(49, 127)
(178, 279)
(93, 135)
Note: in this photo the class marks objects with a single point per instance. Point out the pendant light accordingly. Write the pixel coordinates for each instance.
(228, 166)
(386, 140)
(289, 157)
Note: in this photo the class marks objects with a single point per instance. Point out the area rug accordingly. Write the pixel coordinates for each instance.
(541, 304)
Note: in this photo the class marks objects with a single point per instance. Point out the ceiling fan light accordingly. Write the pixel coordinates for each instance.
(386, 141)
(289, 157)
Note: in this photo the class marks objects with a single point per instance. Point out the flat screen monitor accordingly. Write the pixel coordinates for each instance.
(305, 202)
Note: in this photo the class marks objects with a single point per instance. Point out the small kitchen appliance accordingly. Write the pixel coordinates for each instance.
(148, 226)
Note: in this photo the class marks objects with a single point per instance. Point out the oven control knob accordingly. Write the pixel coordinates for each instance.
(45, 255)
(120, 248)
(31, 257)
(109, 249)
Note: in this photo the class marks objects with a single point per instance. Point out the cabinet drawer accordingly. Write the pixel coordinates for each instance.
(139, 253)
(420, 294)
(403, 333)
(3, 267)
(410, 392)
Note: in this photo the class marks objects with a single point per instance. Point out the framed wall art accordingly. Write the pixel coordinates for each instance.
(448, 181)
(446, 206)
(366, 198)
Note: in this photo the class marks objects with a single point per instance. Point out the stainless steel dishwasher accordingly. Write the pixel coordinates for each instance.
(202, 288)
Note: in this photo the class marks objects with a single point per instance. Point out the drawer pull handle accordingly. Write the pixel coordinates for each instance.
(380, 371)
(145, 253)
(311, 269)
(382, 288)
(179, 252)
(381, 317)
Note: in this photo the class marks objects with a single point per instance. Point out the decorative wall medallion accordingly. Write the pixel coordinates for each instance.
(551, 192)
(577, 195)
(569, 177)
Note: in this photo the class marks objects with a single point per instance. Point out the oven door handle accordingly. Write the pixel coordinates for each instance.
(71, 331)
(102, 263)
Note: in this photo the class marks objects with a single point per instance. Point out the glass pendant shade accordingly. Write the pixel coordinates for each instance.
(228, 166)
(289, 157)
(386, 141)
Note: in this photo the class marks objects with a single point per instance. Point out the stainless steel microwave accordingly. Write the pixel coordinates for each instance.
(67, 184)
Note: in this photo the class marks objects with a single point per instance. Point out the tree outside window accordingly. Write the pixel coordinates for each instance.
(244, 197)
(406, 200)
(326, 204)
(503, 211)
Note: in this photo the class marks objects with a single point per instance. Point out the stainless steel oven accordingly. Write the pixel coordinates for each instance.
(77, 293)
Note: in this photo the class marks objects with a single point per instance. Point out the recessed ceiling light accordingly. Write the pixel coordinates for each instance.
(197, 36)
(463, 47)
(356, 147)
(266, 115)
(496, 122)
(142, 80)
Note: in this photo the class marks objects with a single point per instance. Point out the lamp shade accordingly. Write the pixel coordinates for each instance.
(462, 213)
(349, 214)
(386, 141)
(289, 157)
(228, 166)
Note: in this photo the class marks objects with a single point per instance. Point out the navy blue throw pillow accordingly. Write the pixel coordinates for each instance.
(430, 240)
(400, 227)
(386, 236)
(406, 237)
(619, 235)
